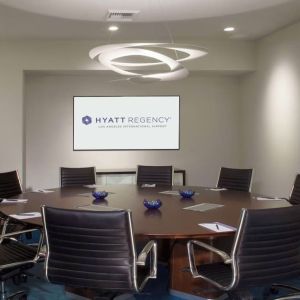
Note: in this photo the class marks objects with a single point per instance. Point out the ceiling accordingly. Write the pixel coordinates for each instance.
(157, 20)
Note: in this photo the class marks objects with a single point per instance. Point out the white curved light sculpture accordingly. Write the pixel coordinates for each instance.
(110, 55)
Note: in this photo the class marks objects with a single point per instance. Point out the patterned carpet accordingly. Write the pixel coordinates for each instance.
(39, 289)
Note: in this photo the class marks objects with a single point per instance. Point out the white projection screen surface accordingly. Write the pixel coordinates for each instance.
(126, 123)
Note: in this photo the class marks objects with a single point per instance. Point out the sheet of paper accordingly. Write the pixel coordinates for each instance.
(27, 215)
(99, 207)
(153, 185)
(92, 186)
(217, 189)
(42, 191)
(218, 227)
(269, 199)
(203, 207)
(170, 193)
(14, 200)
(175, 193)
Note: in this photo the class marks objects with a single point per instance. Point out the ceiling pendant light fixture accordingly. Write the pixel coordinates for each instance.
(118, 58)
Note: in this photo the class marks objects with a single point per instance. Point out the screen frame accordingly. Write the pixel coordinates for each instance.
(135, 96)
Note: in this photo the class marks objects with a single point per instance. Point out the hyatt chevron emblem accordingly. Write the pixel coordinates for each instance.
(87, 120)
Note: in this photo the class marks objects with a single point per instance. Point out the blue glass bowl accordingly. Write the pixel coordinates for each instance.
(186, 193)
(100, 195)
(152, 204)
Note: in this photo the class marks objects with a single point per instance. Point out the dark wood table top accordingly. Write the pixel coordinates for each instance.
(170, 221)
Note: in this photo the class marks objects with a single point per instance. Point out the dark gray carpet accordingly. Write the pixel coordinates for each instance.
(39, 289)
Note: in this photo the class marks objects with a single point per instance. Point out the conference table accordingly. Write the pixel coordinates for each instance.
(171, 223)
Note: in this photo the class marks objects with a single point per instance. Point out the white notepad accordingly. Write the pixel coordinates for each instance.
(218, 227)
(14, 201)
(151, 185)
(217, 189)
(42, 191)
(203, 207)
(27, 215)
(92, 186)
(175, 193)
(269, 199)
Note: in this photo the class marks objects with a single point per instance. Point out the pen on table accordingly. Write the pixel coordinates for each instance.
(217, 226)
(26, 214)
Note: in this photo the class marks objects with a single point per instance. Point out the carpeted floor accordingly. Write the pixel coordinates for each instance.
(39, 289)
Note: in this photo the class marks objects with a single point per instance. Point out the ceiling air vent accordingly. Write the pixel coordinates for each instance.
(117, 15)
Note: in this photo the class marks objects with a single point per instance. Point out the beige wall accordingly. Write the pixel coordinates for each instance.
(11, 118)
(210, 132)
(268, 117)
(19, 56)
(271, 113)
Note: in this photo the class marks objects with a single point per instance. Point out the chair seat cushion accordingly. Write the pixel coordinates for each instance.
(218, 272)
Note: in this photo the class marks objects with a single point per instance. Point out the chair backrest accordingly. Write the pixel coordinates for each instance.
(77, 176)
(295, 194)
(93, 249)
(10, 184)
(159, 175)
(235, 179)
(266, 247)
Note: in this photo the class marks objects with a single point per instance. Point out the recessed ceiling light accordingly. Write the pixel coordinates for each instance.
(228, 29)
(113, 28)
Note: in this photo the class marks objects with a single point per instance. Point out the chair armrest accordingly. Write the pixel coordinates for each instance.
(7, 222)
(149, 249)
(39, 246)
(11, 234)
(190, 247)
(284, 286)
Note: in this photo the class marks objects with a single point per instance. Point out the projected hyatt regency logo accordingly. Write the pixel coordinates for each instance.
(127, 122)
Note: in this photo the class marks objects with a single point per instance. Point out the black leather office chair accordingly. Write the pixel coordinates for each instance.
(266, 250)
(235, 179)
(158, 175)
(15, 258)
(10, 184)
(95, 250)
(77, 176)
(295, 193)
